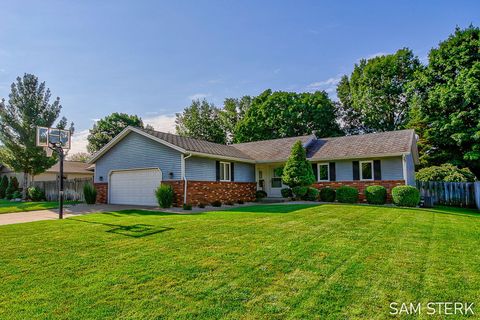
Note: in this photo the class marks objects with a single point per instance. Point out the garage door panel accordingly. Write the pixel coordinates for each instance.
(134, 187)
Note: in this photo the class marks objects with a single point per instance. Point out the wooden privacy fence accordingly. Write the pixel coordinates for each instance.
(460, 194)
(73, 189)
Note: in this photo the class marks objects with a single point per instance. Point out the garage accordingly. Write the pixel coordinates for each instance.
(134, 187)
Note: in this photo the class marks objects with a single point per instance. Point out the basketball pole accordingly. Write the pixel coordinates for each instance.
(60, 198)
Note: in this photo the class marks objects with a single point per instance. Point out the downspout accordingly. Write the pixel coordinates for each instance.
(404, 168)
(185, 181)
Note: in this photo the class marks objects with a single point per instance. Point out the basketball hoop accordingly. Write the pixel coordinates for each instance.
(58, 140)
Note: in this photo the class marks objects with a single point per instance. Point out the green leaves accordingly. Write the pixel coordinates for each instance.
(298, 171)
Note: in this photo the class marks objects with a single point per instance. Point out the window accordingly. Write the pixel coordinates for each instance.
(277, 178)
(366, 170)
(323, 172)
(224, 171)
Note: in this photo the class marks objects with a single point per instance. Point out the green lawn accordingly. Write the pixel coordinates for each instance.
(270, 262)
(7, 206)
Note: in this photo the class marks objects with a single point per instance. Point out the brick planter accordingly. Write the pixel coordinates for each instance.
(102, 192)
(362, 185)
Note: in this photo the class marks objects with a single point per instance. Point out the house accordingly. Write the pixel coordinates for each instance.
(135, 162)
(71, 170)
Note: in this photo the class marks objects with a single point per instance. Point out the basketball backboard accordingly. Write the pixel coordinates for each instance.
(53, 137)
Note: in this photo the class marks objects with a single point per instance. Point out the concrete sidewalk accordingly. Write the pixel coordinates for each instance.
(69, 211)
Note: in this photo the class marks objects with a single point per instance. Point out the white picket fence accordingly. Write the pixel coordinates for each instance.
(73, 189)
(460, 194)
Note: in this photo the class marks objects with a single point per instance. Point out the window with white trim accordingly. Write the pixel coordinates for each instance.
(225, 171)
(323, 172)
(366, 170)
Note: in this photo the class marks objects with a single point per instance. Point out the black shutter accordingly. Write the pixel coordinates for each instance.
(315, 170)
(218, 170)
(377, 170)
(333, 174)
(232, 171)
(356, 170)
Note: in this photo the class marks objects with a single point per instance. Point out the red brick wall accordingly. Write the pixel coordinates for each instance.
(361, 185)
(102, 192)
(178, 189)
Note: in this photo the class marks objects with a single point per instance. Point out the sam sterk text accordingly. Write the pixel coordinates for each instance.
(432, 308)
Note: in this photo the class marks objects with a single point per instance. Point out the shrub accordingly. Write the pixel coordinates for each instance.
(312, 194)
(3, 186)
(201, 205)
(35, 194)
(240, 202)
(286, 193)
(216, 203)
(298, 171)
(12, 187)
(90, 193)
(405, 196)
(165, 195)
(446, 172)
(187, 206)
(327, 194)
(17, 195)
(346, 194)
(260, 194)
(376, 194)
(299, 191)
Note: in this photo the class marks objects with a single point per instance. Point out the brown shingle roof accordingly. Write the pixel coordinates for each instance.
(71, 167)
(366, 145)
(270, 150)
(196, 145)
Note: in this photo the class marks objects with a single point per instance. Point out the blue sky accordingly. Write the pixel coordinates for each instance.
(152, 57)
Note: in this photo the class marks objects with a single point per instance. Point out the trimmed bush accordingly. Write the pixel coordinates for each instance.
(446, 172)
(35, 194)
(240, 202)
(3, 187)
(165, 195)
(376, 194)
(327, 194)
(17, 195)
(12, 187)
(312, 194)
(299, 191)
(187, 206)
(260, 194)
(201, 205)
(216, 203)
(286, 192)
(405, 196)
(346, 194)
(89, 193)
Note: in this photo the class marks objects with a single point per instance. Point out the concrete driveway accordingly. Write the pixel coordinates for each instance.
(69, 211)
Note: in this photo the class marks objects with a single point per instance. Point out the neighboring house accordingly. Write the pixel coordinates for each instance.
(134, 163)
(71, 170)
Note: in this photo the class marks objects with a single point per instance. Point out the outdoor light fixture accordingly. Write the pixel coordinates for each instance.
(100, 178)
(170, 175)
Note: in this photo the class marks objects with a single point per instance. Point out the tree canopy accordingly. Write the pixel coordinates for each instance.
(446, 102)
(108, 127)
(233, 112)
(374, 97)
(287, 114)
(79, 156)
(28, 106)
(201, 120)
(445, 172)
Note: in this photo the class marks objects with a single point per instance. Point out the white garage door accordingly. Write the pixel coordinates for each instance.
(136, 187)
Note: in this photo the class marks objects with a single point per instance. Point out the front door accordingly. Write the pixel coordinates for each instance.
(276, 182)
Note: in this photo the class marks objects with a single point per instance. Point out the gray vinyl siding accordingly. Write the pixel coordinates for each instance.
(136, 151)
(392, 169)
(410, 170)
(204, 169)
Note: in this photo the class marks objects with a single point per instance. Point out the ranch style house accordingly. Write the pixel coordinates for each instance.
(133, 164)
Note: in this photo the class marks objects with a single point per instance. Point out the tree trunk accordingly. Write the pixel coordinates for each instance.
(24, 185)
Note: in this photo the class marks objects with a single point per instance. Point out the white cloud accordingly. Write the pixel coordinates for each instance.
(164, 123)
(325, 84)
(198, 96)
(79, 142)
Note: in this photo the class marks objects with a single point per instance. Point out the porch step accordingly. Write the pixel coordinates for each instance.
(272, 200)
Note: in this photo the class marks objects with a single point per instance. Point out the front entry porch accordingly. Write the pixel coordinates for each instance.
(269, 179)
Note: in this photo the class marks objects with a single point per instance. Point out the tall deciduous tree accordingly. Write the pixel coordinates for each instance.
(201, 120)
(79, 156)
(298, 171)
(446, 102)
(287, 114)
(374, 98)
(107, 128)
(233, 112)
(28, 106)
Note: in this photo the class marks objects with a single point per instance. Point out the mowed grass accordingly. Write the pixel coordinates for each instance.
(7, 206)
(259, 262)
